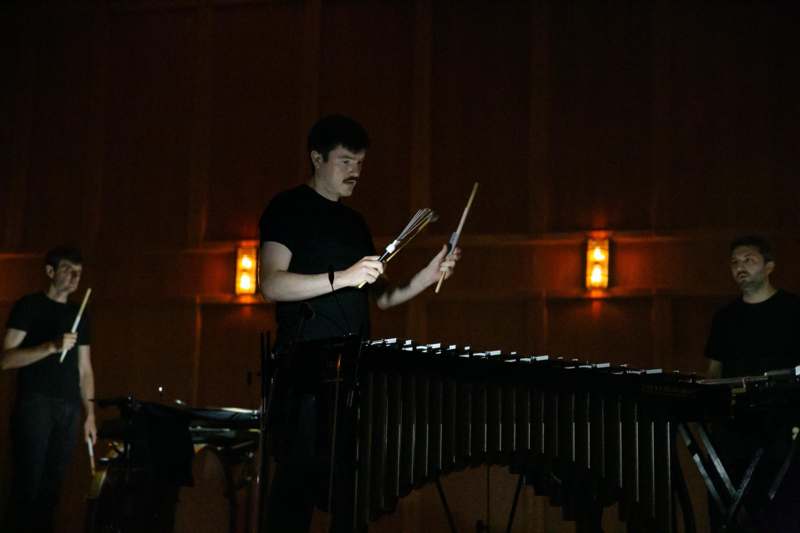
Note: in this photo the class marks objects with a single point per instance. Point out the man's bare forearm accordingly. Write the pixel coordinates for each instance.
(20, 357)
(398, 295)
(87, 392)
(290, 287)
(441, 264)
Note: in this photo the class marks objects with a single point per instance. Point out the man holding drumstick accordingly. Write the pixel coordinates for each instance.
(313, 245)
(50, 391)
(754, 334)
(318, 264)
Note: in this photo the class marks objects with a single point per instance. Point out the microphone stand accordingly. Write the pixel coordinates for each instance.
(267, 391)
(269, 382)
(341, 476)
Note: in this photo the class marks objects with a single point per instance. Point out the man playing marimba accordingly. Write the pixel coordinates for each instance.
(757, 332)
(316, 254)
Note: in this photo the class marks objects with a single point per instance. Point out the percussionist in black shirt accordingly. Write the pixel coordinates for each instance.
(46, 414)
(756, 333)
(307, 234)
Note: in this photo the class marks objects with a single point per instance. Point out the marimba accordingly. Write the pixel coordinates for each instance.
(163, 466)
(586, 435)
(763, 432)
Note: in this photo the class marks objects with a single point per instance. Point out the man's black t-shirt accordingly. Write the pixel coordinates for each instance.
(322, 235)
(42, 320)
(750, 339)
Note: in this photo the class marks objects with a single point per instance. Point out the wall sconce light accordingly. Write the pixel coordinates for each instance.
(246, 270)
(597, 263)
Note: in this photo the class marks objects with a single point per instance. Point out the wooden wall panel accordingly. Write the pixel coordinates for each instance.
(149, 129)
(19, 275)
(389, 323)
(613, 331)
(138, 347)
(784, 115)
(691, 324)
(482, 325)
(256, 142)
(366, 61)
(720, 119)
(558, 265)
(501, 268)
(787, 259)
(480, 116)
(230, 354)
(16, 101)
(504, 271)
(59, 135)
(163, 276)
(671, 264)
(600, 117)
(11, 45)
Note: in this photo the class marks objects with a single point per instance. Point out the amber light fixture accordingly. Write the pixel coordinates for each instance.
(597, 263)
(246, 270)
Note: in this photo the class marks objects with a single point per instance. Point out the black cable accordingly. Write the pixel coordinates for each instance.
(338, 304)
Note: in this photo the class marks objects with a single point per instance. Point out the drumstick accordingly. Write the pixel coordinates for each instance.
(412, 229)
(77, 320)
(455, 236)
(90, 448)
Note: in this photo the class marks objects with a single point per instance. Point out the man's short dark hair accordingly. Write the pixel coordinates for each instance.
(63, 253)
(337, 130)
(756, 241)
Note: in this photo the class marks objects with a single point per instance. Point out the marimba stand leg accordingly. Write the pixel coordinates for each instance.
(446, 507)
(776, 484)
(729, 512)
(681, 492)
(745, 484)
(517, 492)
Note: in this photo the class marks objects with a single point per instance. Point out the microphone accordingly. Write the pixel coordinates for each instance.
(338, 304)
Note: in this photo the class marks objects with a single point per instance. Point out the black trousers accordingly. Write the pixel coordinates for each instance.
(302, 474)
(44, 434)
